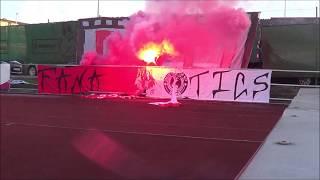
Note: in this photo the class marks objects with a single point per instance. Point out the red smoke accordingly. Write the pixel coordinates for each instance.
(204, 33)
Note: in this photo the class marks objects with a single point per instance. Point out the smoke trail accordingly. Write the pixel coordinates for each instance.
(204, 33)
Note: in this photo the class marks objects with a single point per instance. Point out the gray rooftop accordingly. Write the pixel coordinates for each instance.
(299, 127)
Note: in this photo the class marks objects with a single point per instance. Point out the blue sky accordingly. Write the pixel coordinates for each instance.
(41, 11)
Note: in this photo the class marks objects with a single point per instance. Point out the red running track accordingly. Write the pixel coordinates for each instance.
(69, 137)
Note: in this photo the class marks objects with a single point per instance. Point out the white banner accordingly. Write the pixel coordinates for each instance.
(4, 76)
(4, 73)
(217, 84)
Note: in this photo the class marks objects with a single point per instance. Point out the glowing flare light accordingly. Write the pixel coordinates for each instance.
(151, 51)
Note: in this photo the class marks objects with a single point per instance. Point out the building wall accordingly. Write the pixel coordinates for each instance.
(291, 43)
(5, 22)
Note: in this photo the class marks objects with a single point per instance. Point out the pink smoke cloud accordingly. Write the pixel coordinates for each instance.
(204, 33)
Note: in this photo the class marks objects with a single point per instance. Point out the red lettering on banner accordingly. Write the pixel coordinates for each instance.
(81, 79)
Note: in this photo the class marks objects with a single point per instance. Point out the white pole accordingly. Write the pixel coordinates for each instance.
(17, 18)
(285, 8)
(98, 11)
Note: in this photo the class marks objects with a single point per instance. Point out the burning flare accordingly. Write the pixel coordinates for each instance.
(151, 51)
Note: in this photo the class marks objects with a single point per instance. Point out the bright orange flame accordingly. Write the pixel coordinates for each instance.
(151, 51)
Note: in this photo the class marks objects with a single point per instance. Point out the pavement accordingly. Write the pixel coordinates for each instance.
(291, 151)
(72, 137)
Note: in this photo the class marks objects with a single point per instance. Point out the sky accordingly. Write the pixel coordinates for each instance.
(61, 10)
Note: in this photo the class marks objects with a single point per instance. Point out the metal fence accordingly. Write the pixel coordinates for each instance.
(287, 88)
